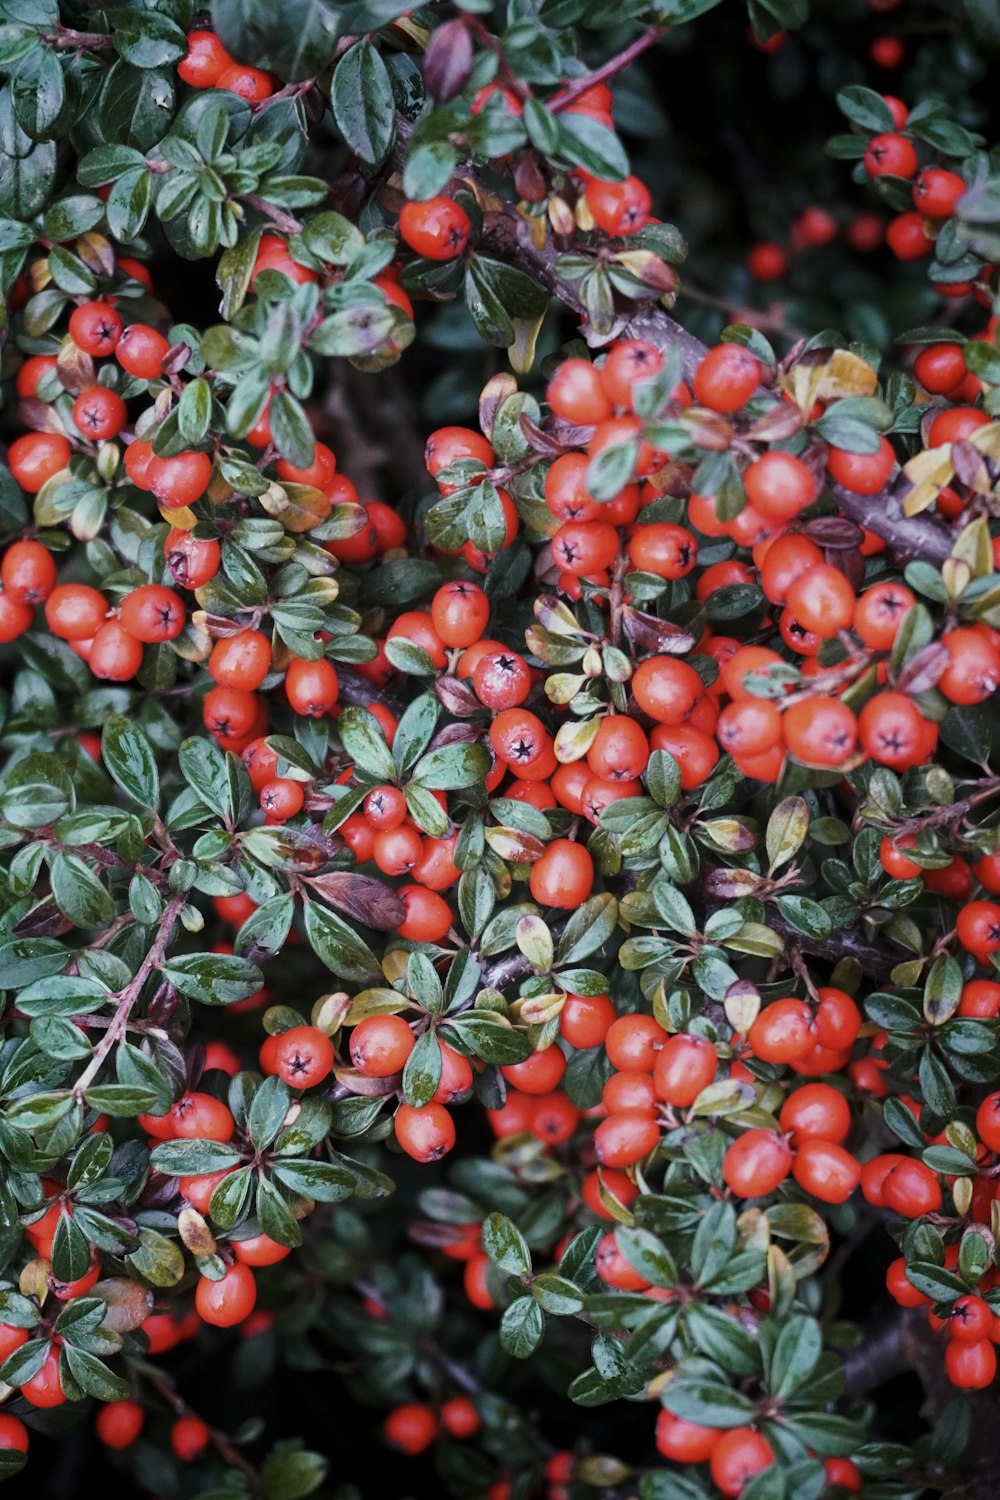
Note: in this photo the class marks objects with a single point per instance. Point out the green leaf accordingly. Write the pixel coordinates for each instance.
(36, 792)
(647, 1255)
(268, 1111)
(710, 1402)
(522, 1327)
(942, 990)
(79, 894)
(585, 142)
(362, 102)
(714, 1243)
(126, 752)
(338, 946)
(193, 1158)
(422, 1072)
(452, 766)
(290, 430)
(428, 170)
(149, 39)
(276, 1218)
(122, 1100)
(505, 1245)
(556, 1294)
(321, 1180)
(93, 1376)
(588, 929)
(363, 738)
(787, 829)
(294, 39)
(796, 1354)
(220, 780)
(866, 108)
(935, 1282)
(229, 1198)
(25, 1362)
(70, 1251)
(213, 978)
(413, 733)
(805, 916)
(129, 203)
(489, 1036)
(291, 1475)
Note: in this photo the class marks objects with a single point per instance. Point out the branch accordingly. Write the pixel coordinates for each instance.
(129, 996)
(876, 959)
(515, 966)
(879, 1359)
(287, 223)
(79, 41)
(356, 690)
(610, 69)
(507, 237)
(220, 1442)
(922, 536)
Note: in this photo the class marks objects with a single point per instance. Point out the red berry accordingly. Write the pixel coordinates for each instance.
(437, 229)
(229, 1301)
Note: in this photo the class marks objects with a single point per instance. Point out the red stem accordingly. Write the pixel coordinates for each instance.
(610, 69)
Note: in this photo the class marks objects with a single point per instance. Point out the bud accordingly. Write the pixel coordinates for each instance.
(448, 60)
(195, 1233)
(328, 1012)
(957, 576)
(528, 179)
(538, 1009)
(742, 1005)
(561, 217)
(534, 940)
(96, 251)
(562, 687)
(513, 846)
(492, 396)
(39, 275)
(33, 1280)
(574, 739)
(108, 458)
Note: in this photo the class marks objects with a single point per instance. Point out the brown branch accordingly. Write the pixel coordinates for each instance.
(507, 237)
(610, 69)
(163, 1385)
(129, 996)
(81, 41)
(497, 976)
(877, 959)
(287, 223)
(922, 537)
(879, 1359)
(360, 693)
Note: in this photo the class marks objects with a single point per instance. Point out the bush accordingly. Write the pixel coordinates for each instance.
(511, 961)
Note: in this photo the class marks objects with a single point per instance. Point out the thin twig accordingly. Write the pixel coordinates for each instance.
(129, 996)
(610, 69)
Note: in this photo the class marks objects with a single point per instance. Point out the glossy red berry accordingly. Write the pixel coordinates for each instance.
(229, 1301)
(95, 327)
(756, 1162)
(437, 229)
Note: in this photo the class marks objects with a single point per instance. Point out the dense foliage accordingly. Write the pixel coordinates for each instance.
(500, 933)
